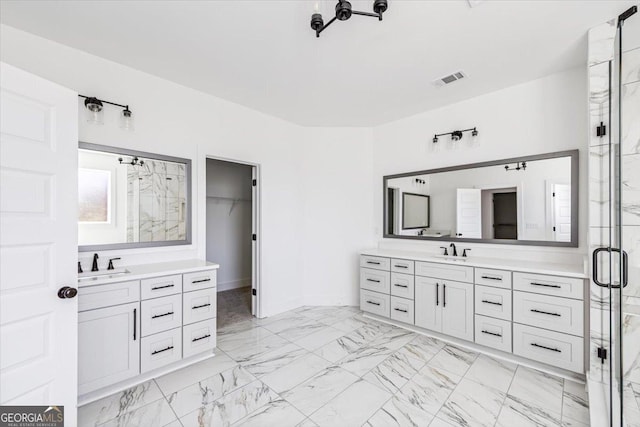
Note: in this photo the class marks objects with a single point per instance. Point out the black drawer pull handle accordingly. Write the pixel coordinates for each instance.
(444, 296)
(401, 266)
(373, 280)
(373, 262)
(374, 303)
(164, 349)
(491, 302)
(162, 315)
(200, 306)
(545, 285)
(201, 338)
(491, 278)
(135, 322)
(155, 288)
(400, 286)
(546, 348)
(437, 294)
(208, 279)
(533, 310)
(399, 309)
(492, 333)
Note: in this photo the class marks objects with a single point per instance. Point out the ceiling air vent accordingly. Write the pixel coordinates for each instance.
(450, 78)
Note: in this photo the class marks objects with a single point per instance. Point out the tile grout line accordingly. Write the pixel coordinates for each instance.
(506, 394)
(164, 396)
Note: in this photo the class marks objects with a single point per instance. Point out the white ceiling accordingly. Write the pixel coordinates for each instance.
(362, 72)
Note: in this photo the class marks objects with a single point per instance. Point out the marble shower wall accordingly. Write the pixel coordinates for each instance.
(601, 60)
(156, 201)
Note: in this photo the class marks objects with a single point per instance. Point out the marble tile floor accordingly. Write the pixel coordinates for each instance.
(330, 366)
(234, 306)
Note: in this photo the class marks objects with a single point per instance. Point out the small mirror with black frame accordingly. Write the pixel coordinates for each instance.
(530, 200)
(132, 199)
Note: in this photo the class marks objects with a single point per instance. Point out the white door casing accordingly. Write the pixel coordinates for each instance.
(469, 213)
(38, 241)
(254, 243)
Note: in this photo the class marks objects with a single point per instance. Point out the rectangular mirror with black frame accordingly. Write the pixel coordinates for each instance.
(132, 199)
(530, 200)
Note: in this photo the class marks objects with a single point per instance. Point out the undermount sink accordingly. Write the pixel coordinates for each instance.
(97, 275)
(451, 258)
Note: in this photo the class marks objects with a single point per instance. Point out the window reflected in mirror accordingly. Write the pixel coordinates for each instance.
(131, 199)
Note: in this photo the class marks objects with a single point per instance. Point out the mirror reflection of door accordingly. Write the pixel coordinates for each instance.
(505, 216)
(469, 213)
(561, 212)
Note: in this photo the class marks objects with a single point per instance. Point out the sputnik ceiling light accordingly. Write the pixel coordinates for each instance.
(344, 12)
(94, 108)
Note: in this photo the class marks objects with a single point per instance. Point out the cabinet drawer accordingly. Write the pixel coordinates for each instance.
(161, 286)
(198, 337)
(376, 262)
(567, 287)
(161, 314)
(402, 266)
(558, 314)
(494, 333)
(402, 310)
(375, 280)
(199, 280)
(199, 305)
(556, 349)
(402, 285)
(375, 303)
(91, 297)
(160, 349)
(490, 277)
(493, 302)
(458, 273)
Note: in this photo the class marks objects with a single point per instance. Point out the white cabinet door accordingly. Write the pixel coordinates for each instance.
(428, 303)
(109, 346)
(38, 241)
(457, 310)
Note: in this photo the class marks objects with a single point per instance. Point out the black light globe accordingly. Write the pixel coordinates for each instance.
(343, 10)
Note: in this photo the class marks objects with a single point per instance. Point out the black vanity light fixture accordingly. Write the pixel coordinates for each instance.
(344, 12)
(456, 135)
(519, 166)
(95, 106)
(135, 161)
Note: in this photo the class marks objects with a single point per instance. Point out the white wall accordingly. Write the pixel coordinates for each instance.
(541, 116)
(337, 218)
(174, 120)
(228, 238)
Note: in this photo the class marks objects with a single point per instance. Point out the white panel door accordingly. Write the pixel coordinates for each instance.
(561, 213)
(428, 303)
(457, 310)
(469, 213)
(38, 241)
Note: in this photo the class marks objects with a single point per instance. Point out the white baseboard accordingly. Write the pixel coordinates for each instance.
(235, 284)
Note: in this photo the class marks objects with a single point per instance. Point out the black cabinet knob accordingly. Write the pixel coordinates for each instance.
(67, 292)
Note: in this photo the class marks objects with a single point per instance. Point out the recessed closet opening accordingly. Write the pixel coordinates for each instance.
(231, 237)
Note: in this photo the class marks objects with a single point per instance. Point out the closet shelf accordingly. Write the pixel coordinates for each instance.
(229, 199)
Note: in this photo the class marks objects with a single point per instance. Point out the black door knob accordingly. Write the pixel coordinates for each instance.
(67, 292)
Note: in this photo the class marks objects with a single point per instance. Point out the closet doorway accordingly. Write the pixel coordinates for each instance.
(232, 237)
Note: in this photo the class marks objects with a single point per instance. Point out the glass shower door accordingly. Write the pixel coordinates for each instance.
(625, 297)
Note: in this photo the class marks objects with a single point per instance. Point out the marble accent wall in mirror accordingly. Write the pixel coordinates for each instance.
(131, 199)
(531, 200)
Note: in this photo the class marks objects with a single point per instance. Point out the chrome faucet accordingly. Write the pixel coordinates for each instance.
(94, 266)
(455, 251)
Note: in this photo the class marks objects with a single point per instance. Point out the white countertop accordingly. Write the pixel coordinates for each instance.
(525, 266)
(145, 271)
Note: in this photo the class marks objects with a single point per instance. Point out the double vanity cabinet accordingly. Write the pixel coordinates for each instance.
(538, 315)
(143, 320)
